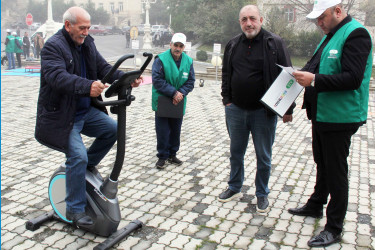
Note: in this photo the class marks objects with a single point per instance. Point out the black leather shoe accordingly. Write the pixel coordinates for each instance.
(306, 211)
(323, 239)
(229, 195)
(174, 160)
(160, 164)
(95, 172)
(80, 219)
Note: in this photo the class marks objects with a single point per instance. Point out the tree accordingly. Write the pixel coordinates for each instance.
(39, 10)
(369, 8)
(206, 20)
(98, 16)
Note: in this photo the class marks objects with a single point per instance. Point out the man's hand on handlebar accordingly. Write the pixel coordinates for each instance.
(97, 88)
(137, 82)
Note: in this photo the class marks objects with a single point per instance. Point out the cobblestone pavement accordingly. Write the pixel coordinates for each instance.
(179, 205)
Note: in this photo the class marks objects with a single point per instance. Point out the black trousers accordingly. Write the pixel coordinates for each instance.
(331, 150)
(18, 55)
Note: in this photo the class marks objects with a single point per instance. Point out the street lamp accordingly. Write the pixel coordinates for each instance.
(170, 16)
(147, 40)
(50, 24)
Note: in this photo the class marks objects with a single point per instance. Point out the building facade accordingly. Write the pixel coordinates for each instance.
(122, 12)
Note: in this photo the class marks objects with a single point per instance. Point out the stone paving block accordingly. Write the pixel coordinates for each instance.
(349, 237)
(193, 244)
(290, 239)
(167, 238)
(257, 244)
(364, 240)
(180, 242)
(128, 243)
(250, 231)
(302, 241)
(191, 229)
(217, 236)
(10, 244)
(229, 239)
(237, 228)
(277, 236)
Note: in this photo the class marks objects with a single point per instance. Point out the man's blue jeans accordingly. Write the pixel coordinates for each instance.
(240, 124)
(11, 62)
(168, 132)
(94, 123)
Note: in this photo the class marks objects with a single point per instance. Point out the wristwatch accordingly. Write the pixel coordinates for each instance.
(313, 82)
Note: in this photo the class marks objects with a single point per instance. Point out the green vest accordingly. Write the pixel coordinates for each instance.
(348, 106)
(11, 44)
(16, 49)
(173, 75)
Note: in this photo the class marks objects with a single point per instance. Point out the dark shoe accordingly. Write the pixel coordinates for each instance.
(160, 164)
(174, 160)
(323, 239)
(80, 219)
(306, 211)
(229, 195)
(262, 204)
(95, 172)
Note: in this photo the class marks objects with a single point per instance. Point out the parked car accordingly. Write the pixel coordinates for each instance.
(35, 26)
(98, 30)
(161, 28)
(114, 30)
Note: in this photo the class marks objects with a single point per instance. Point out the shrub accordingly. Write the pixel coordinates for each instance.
(202, 55)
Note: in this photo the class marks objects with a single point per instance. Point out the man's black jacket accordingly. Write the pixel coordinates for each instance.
(274, 51)
(61, 86)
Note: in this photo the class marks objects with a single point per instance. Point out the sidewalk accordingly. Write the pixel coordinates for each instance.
(179, 205)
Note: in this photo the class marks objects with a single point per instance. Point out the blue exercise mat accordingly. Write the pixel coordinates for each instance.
(21, 72)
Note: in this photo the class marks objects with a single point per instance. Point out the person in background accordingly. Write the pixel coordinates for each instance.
(18, 48)
(38, 44)
(26, 46)
(10, 45)
(336, 81)
(70, 69)
(249, 69)
(172, 76)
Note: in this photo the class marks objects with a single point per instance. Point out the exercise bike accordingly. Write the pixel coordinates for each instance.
(102, 203)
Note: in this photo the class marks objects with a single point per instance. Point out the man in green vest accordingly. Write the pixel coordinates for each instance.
(336, 100)
(173, 79)
(9, 49)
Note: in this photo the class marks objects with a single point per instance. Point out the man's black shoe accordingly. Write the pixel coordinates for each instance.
(174, 160)
(262, 204)
(306, 211)
(80, 219)
(323, 239)
(229, 195)
(160, 164)
(95, 172)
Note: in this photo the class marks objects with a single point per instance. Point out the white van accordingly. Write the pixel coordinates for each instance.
(158, 27)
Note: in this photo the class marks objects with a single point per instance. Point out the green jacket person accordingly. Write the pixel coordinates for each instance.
(336, 100)
(172, 77)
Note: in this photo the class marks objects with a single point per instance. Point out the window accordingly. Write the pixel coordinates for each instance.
(101, 6)
(290, 14)
(112, 7)
(120, 6)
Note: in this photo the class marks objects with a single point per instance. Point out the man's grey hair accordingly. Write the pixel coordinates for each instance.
(250, 6)
(72, 13)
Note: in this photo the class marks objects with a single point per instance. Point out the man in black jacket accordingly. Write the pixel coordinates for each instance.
(70, 67)
(249, 69)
